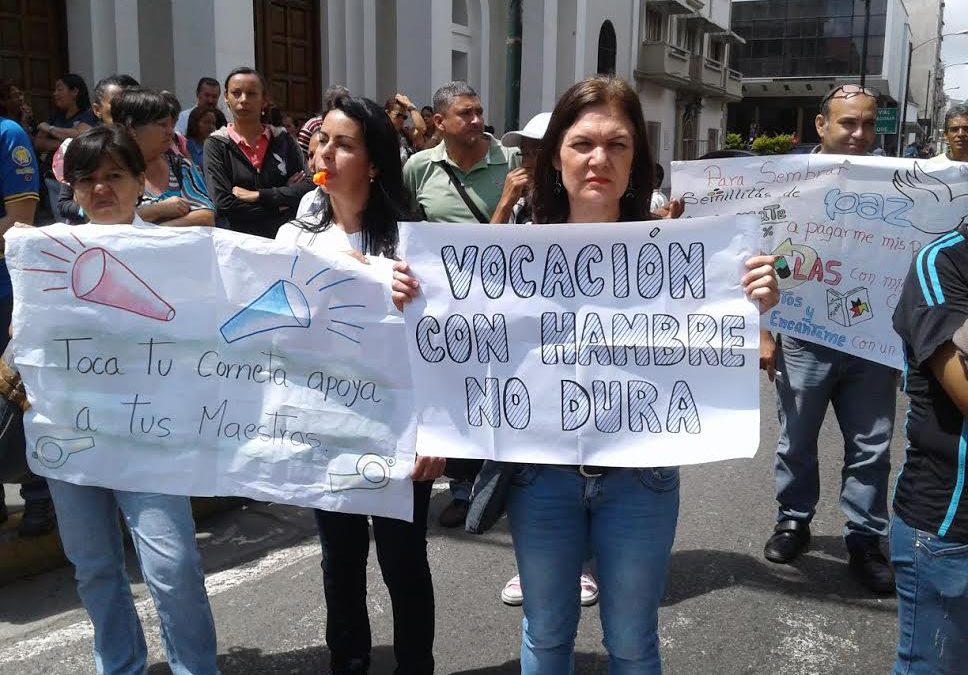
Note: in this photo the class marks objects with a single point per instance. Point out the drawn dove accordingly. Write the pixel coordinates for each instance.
(928, 192)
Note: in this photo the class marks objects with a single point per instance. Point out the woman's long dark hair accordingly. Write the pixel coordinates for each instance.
(75, 81)
(389, 200)
(549, 199)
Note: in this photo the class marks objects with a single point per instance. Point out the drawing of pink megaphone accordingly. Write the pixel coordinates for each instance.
(101, 278)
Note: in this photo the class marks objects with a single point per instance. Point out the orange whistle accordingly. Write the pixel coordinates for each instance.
(319, 178)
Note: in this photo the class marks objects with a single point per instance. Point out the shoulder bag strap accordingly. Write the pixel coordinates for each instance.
(455, 181)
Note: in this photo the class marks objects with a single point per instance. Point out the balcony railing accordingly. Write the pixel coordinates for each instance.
(734, 84)
(675, 6)
(663, 63)
(707, 74)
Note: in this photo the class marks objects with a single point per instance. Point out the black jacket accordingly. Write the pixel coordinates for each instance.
(226, 166)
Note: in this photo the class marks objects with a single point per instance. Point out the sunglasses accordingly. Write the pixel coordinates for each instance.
(400, 115)
(847, 91)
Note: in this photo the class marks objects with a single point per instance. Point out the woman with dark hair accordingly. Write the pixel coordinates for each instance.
(174, 192)
(255, 173)
(357, 210)
(106, 169)
(201, 123)
(105, 91)
(73, 116)
(595, 166)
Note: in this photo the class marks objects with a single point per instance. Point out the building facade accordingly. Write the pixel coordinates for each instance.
(927, 72)
(796, 51)
(674, 52)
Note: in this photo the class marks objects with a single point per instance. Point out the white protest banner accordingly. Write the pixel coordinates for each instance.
(621, 344)
(202, 362)
(847, 228)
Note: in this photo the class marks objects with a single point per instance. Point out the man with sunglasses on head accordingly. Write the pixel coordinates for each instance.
(809, 376)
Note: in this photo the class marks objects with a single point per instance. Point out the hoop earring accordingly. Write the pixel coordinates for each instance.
(629, 192)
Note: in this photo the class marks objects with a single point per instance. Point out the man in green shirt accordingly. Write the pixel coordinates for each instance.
(459, 181)
(475, 159)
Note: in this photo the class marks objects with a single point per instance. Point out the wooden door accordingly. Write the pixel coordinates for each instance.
(33, 49)
(287, 53)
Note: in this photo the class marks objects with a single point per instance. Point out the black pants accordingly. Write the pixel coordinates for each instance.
(401, 549)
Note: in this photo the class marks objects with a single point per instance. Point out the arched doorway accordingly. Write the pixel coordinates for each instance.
(607, 49)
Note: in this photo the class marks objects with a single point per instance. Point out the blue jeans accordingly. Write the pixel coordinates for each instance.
(863, 395)
(932, 602)
(163, 532)
(626, 520)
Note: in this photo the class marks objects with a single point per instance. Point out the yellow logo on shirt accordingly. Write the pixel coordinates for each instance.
(20, 155)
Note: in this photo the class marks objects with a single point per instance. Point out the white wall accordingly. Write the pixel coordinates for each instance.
(925, 19)
(414, 49)
(895, 49)
(386, 62)
(659, 105)
(712, 117)
(233, 37)
(623, 16)
(154, 42)
(720, 11)
(194, 55)
(102, 38)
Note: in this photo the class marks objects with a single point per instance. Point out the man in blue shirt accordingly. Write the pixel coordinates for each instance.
(19, 195)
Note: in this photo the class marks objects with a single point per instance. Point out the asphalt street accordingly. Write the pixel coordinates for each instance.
(726, 611)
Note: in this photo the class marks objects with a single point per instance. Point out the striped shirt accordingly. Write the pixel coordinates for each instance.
(185, 181)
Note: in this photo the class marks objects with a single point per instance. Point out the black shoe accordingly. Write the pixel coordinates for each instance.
(869, 566)
(454, 514)
(38, 518)
(790, 539)
(3, 512)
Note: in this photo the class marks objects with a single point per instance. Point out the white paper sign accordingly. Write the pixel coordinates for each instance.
(847, 228)
(627, 344)
(202, 362)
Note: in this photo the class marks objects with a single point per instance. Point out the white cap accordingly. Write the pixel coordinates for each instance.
(534, 129)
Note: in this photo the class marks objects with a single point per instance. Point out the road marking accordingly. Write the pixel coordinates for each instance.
(217, 583)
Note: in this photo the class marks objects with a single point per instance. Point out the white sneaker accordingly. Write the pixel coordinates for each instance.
(589, 590)
(512, 595)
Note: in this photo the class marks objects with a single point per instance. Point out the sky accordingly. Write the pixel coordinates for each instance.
(954, 49)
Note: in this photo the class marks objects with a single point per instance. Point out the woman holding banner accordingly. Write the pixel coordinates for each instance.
(595, 166)
(356, 209)
(106, 169)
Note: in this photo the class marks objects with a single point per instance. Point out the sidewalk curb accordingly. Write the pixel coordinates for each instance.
(20, 557)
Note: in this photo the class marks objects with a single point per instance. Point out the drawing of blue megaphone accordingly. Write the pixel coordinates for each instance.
(53, 452)
(372, 473)
(282, 305)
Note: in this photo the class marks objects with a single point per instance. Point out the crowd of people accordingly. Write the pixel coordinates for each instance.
(581, 534)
